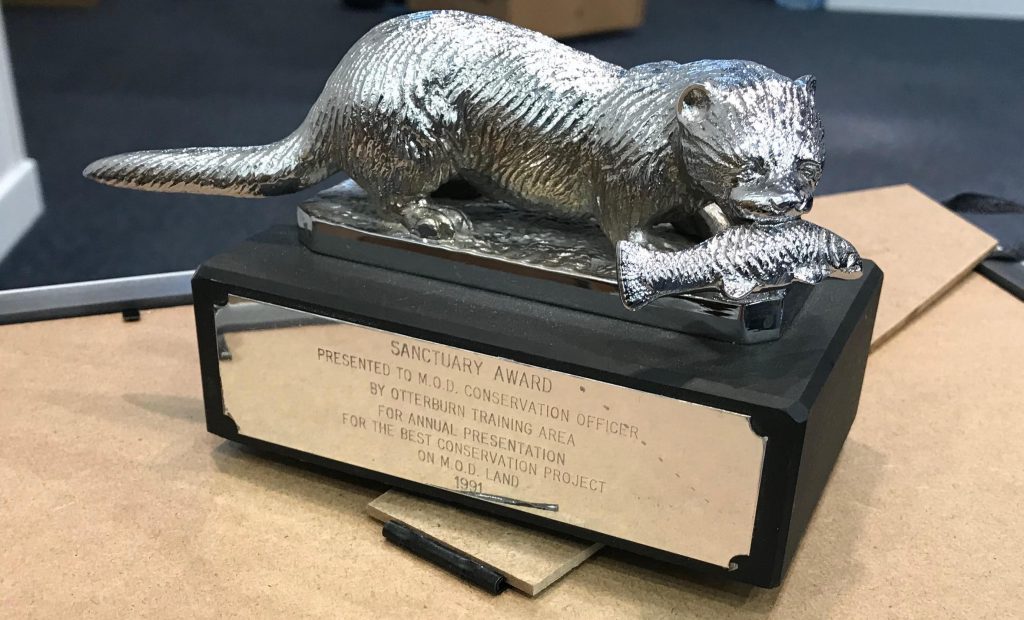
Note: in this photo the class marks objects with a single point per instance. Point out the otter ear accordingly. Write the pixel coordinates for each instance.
(808, 82)
(693, 103)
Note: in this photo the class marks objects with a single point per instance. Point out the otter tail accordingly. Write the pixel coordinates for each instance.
(305, 157)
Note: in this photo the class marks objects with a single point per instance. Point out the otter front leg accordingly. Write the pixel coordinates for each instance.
(430, 221)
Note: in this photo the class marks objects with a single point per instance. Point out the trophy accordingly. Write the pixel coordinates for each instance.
(553, 289)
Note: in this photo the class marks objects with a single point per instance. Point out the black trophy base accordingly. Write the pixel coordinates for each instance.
(299, 353)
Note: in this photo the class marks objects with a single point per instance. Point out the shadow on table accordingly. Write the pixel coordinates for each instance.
(297, 480)
(177, 407)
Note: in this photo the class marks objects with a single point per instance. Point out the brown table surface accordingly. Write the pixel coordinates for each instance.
(114, 500)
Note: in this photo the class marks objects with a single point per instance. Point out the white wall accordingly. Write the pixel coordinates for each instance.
(21, 201)
(1007, 9)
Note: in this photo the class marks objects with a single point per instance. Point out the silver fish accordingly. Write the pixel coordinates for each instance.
(737, 261)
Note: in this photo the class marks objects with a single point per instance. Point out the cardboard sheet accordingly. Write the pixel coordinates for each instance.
(922, 247)
(529, 558)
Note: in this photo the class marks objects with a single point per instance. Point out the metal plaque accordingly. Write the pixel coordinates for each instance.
(660, 472)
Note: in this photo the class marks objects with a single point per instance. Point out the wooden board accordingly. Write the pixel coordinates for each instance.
(922, 247)
(530, 559)
(116, 501)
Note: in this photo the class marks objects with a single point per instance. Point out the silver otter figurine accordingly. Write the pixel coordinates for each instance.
(430, 98)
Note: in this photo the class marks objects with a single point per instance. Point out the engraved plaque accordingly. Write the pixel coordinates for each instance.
(665, 473)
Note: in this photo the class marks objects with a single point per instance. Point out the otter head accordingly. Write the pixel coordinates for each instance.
(752, 139)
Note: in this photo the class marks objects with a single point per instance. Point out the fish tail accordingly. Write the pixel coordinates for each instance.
(634, 263)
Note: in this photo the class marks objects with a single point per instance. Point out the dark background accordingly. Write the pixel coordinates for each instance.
(935, 102)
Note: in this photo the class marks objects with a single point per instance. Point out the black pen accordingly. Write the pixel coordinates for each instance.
(442, 555)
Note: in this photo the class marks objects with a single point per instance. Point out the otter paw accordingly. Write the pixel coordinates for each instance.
(436, 222)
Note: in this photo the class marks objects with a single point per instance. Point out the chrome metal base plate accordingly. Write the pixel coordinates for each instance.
(568, 263)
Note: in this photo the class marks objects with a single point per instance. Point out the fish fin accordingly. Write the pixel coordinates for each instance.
(632, 262)
(736, 287)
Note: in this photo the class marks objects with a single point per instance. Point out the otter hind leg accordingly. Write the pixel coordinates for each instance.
(406, 197)
(400, 167)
